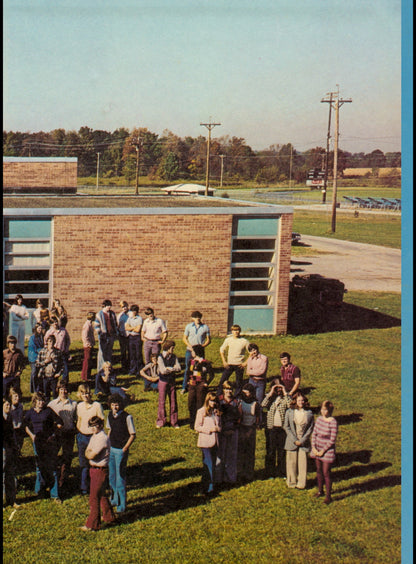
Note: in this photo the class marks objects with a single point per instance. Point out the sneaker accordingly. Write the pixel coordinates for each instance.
(16, 505)
(158, 426)
(176, 427)
(85, 529)
(57, 500)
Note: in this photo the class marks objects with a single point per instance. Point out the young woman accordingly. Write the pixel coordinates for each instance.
(42, 423)
(18, 316)
(86, 409)
(298, 426)
(208, 425)
(35, 345)
(201, 375)
(41, 315)
(59, 311)
(323, 440)
(231, 413)
(88, 342)
(250, 422)
(98, 453)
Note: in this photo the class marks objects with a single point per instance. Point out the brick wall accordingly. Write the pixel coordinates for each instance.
(37, 174)
(283, 275)
(174, 264)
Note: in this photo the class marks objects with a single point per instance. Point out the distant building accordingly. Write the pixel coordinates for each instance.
(40, 175)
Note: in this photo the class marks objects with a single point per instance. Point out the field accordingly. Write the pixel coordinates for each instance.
(169, 520)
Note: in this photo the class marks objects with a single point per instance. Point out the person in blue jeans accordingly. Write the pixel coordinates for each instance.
(121, 433)
(196, 333)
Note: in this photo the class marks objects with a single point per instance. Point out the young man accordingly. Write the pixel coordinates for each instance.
(154, 334)
(289, 374)
(62, 343)
(106, 327)
(98, 452)
(88, 342)
(133, 328)
(168, 366)
(13, 364)
(196, 333)
(256, 368)
(67, 411)
(121, 433)
(123, 339)
(236, 347)
(50, 365)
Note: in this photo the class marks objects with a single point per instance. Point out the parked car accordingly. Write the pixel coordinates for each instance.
(295, 238)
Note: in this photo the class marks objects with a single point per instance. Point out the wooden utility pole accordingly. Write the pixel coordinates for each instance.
(209, 126)
(328, 137)
(290, 166)
(98, 167)
(337, 105)
(137, 144)
(222, 169)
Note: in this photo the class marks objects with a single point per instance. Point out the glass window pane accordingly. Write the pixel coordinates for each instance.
(252, 320)
(26, 288)
(12, 247)
(257, 226)
(16, 275)
(27, 228)
(19, 260)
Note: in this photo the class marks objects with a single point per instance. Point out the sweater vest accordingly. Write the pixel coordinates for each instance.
(119, 431)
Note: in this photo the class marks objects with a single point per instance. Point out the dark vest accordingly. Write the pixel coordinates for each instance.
(119, 431)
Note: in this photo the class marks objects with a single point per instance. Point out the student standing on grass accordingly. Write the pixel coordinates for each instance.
(201, 375)
(41, 315)
(323, 440)
(168, 367)
(289, 374)
(18, 418)
(18, 316)
(98, 453)
(50, 366)
(59, 311)
(42, 425)
(106, 327)
(250, 422)
(196, 333)
(154, 334)
(298, 426)
(67, 411)
(62, 343)
(122, 317)
(88, 342)
(122, 434)
(133, 328)
(208, 426)
(86, 409)
(256, 368)
(35, 345)
(9, 457)
(13, 364)
(236, 347)
(277, 401)
(231, 413)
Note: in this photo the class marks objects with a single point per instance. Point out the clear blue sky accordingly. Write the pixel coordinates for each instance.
(259, 67)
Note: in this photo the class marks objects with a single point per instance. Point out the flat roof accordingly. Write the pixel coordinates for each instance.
(109, 205)
(40, 159)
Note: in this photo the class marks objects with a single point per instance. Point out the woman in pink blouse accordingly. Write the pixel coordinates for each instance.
(323, 448)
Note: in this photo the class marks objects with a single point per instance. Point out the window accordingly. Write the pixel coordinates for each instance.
(27, 260)
(253, 273)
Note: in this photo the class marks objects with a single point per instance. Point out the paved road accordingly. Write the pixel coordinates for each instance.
(359, 266)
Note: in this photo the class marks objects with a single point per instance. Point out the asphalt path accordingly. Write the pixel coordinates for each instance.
(358, 265)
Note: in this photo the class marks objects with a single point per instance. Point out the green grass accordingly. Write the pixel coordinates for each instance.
(375, 229)
(169, 520)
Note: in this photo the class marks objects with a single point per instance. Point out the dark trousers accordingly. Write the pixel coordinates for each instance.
(135, 352)
(323, 474)
(65, 441)
(124, 352)
(49, 385)
(8, 382)
(275, 450)
(98, 499)
(239, 372)
(246, 451)
(86, 364)
(196, 397)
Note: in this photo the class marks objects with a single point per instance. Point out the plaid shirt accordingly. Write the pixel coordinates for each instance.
(50, 363)
(271, 403)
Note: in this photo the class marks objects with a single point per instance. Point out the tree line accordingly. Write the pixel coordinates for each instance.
(170, 157)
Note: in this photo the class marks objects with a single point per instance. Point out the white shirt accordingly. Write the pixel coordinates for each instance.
(237, 347)
(99, 442)
(153, 328)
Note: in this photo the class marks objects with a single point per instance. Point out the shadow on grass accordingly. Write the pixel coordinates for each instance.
(368, 486)
(308, 316)
(152, 474)
(351, 418)
(339, 475)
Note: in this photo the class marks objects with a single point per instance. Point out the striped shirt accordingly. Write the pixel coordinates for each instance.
(324, 435)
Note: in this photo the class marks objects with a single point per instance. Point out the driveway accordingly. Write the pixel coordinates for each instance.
(358, 265)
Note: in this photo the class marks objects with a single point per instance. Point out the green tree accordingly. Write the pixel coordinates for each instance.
(169, 167)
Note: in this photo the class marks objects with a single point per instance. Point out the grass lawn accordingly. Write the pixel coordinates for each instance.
(375, 229)
(169, 521)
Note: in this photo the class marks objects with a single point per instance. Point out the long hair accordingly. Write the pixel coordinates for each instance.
(208, 409)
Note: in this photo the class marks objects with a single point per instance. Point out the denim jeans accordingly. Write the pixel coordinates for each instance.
(34, 382)
(135, 353)
(82, 442)
(46, 467)
(105, 350)
(117, 467)
(209, 458)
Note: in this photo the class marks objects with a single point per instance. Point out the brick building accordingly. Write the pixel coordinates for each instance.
(228, 259)
(40, 175)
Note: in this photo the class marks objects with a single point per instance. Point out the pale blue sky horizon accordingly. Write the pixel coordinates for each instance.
(260, 68)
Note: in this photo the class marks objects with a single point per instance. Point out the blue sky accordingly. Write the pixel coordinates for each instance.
(260, 68)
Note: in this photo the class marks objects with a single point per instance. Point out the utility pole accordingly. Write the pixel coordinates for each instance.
(328, 137)
(337, 104)
(137, 144)
(209, 126)
(222, 169)
(98, 167)
(290, 166)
